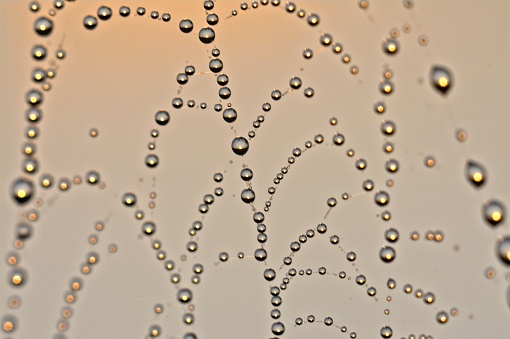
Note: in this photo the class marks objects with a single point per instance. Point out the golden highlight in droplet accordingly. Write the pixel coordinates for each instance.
(8, 326)
(17, 279)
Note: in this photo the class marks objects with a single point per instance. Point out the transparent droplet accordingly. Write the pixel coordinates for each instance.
(368, 185)
(388, 127)
(381, 198)
(295, 82)
(313, 19)
(148, 227)
(129, 199)
(43, 26)
(441, 79)
(392, 165)
(475, 173)
(442, 317)
(215, 65)
(246, 174)
(386, 87)
(360, 279)
(151, 160)
(338, 139)
(162, 118)
(22, 190)
(90, 22)
(503, 249)
(212, 19)
(278, 328)
(184, 295)
(34, 97)
(104, 13)
(206, 35)
(208, 5)
(248, 195)
(154, 14)
(240, 145)
(124, 11)
(390, 46)
(269, 274)
(326, 39)
(39, 52)
(223, 256)
(361, 164)
(387, 254)
(493, 211)
(307, 53)
(260, 254)
(166, 17)
(386, 332)
(186, 25)
(391, 235)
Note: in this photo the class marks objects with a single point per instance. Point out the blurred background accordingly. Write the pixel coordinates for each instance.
(101, 89)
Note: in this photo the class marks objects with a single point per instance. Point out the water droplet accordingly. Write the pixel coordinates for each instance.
(184, 295)
(503, 249)
(215, 65)
(248, 196)
(148, 227)
(442, 317)
(206, 35)
(269, 274)
(162, 118)
(338, 139)
(240, 145)
(129, 199)
(387, 254)
(124, 11)
(390, 46)
(493, 211)
(388, 127)
(441, 79)
(151, 160)
(277, 328)
(104, 13)
(90, 22)
(392, 165)
(386, 332)
(22, 190)
(260, 254)
(295, 82)
(212, 19)
(475, 173)
(39, 52)
(313, 19)
(307, 53)
(208, 5)
(386, 87)
(246, 174)
(186, 25)
(43, 26)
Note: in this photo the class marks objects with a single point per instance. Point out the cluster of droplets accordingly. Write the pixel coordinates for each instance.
(23, 188)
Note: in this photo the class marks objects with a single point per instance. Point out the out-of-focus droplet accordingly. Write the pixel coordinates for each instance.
(475, 173)
(184, 295)
(381, 198)
(129, 199)
(503, 249)
(386, 87)
(442, 317)
(388, 127)
(441, 79)
(386, 332)
(9, 323)
(313, 19)
(34, 97)
(22, 190)
(206, 35)
(43, 26)
(151, 160)
(392, 165)
(338, 139)
(240, 145)
(39, 52)
(390, 46)
(493, 211)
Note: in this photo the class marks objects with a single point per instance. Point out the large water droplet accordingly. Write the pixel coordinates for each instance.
(240, 145)
(43, 26)
(206, 35)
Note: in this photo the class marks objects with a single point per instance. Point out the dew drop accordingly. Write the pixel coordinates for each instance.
(43, 26)
(206, 35)
(493, 211)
